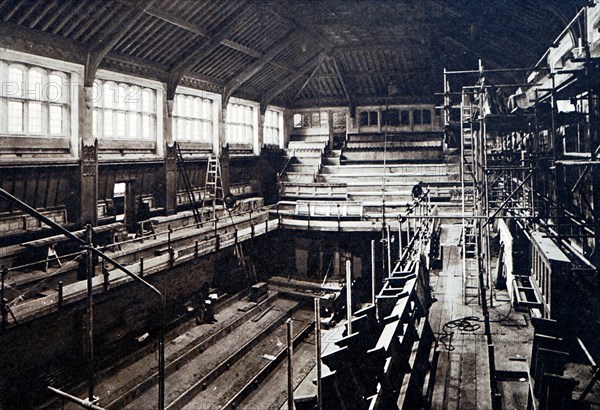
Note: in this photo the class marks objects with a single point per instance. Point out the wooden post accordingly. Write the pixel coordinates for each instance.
(290, 374)
(60, 294)
(318, 351)
(349, 295)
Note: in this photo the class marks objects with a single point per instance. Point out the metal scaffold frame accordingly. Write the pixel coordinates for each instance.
(491, 182)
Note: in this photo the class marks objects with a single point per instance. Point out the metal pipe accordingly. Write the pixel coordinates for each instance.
(83, 403)
(373, 271)
(3, 301)
(399, 238)
(389, 250)
(290, 372)
(318, 346)
(90, 311)
(349, 295)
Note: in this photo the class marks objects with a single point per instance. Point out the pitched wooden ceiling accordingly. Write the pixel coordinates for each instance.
(295, 52)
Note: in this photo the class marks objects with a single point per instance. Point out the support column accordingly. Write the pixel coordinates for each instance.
(261, 130)
(594, 136)
(222, 129)
(330, 127)
(88, 164)
(168, 191)
(225, 165)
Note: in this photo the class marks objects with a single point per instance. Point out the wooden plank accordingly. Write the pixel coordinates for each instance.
(40, 190)
(468, 381)
(439, 389)
(52, 188)
(484, 390)
(31, 143)
(452, 400)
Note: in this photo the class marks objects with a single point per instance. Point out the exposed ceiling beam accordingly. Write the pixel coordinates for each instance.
(117, 29)
(310, 77)
(246, 74)
(370, 73)
(186, 25)
(268, 97)
(15, 37)
(184, 66)
(281, 10)
(344, 82)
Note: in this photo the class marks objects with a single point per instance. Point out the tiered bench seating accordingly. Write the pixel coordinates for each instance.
(406, 147)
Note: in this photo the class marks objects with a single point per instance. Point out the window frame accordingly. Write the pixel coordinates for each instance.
(28, 96)
(127, 142)
(246, 119)
(66, 142)
(208, 117)
(276, 126)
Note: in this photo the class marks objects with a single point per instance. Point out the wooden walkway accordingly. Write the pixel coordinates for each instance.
(462, 379)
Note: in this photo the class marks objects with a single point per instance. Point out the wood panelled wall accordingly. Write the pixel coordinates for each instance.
(44, 188)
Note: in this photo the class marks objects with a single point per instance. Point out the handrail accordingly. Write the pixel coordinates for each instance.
(279, 174)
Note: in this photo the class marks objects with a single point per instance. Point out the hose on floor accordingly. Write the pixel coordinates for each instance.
(464, 324)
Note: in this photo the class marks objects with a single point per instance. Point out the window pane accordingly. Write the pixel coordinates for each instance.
(55, 91)
(364, 118)
(197, 132)
(34, 120)
(373, 118)
(147, 101)
(207, 109)
(197, 108)
(56, 120)
(207, 132)
(121, 120)
(108, 123)
(324, 119)
(110, 95)
(132, 119)
(33, 90)
(426, 117)
(405, 117)
(132, 98)
(188, 129)
(15, 116)
(122, 92)
(146, 127)
(416, 116)
(14, 88)
(297, 120)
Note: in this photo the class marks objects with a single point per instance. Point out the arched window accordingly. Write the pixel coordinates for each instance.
(35, 99)
(272, 128)
(240, 124)
(192, 119)
(124, 111)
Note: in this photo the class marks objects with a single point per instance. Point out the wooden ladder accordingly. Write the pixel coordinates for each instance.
(213, 187)
(186, 181)
(470, 225)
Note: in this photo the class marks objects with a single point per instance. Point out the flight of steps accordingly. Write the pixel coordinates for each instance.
(301, 177)
(315, 173)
